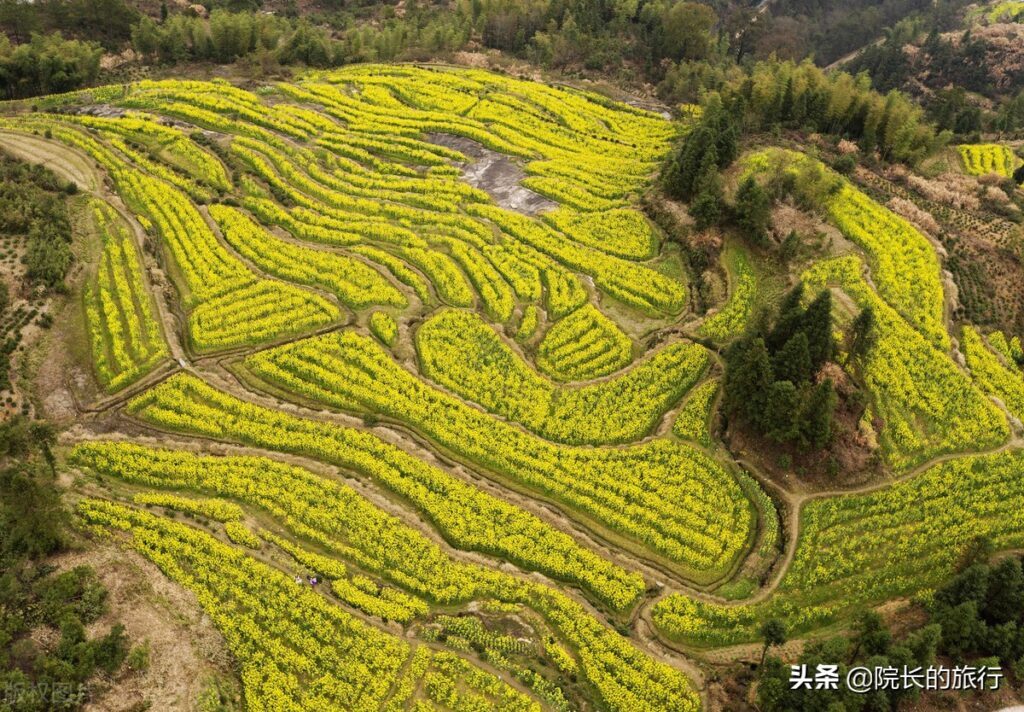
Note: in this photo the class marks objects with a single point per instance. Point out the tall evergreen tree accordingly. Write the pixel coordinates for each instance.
(706, 207)
(778, 419)
(753, 210)
(748, 377)
(793, 361)
(790, 316)
(1005, 592)
(817, 325)
(816, 418)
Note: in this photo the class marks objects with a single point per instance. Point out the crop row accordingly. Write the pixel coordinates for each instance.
(731, 319)
(125, 336)
(904, 266)
(295, 649)
(693, 421)
(1011, 349)
(584, 345)
(347, 525)
(638, 285)
(928, 406)
(173, 146)
(665, 496)
(983, 158)
(459, 351)
(344, 188)
(467, 517)
(621, 232)
(216, 509)
(353, 282)
(1004, 381)
(857, 551)
(230, 305)
(648, 290)
(495, 293)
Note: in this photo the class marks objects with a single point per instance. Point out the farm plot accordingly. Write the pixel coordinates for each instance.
(468, 517)
(904, 265)
(229, 305)
(669, 498)
(349, 527)
(929, 407)
(693, 421)
(295, 650)
(732, 318)
(309, 229)
(460, 352)
(124, 332)
(860, 550)
(979, 159)
(584, 345)
(998, 377)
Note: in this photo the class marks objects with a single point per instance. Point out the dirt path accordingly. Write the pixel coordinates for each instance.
(65, 163)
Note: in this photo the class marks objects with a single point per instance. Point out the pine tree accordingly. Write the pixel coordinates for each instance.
(681, 172)
(793, 361)
(790, 246)
(727, 131)
(816, 417)
(817, 324)
(748, 377)
(1005, 592)
(786, 110)
(718, 130)
(706, 207)
(791, 315)
(778, 419)
(753, 210)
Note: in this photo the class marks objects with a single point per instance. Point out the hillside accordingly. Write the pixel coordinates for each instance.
(489, 381)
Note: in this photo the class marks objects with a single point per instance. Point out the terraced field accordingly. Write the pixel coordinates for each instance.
(984, 158)
(321, 349)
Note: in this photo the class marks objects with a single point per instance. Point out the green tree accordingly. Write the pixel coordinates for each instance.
(146, 37)
(748, 377)
(962, 630)
(790, 246)
(778, 419)
(871, 637)
(816, 417)
(1004, 592)
(753, 210)
(817, 325)
(706, 206)
(687, 31)
(791, 315)
(717, 134)
(773, 631)
(793, 362)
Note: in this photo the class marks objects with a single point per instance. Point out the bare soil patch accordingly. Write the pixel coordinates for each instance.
(496, 174)
(185, 649)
